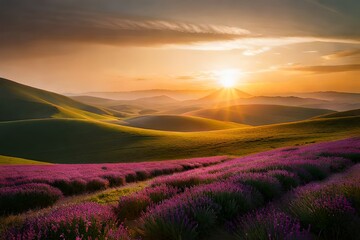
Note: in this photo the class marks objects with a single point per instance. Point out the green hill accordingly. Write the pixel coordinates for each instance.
(179, 123)
(19, 102)
(84, 141)
(257, 114)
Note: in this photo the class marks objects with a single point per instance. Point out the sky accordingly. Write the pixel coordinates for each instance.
(266, 46)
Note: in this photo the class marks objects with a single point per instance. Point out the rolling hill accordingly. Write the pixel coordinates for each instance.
(146, 105)
(53, 128)
(125, 109)
(281, 100)
(339, 101)
(18, 102)
(179, 123)
(332, 96)
(337, 106)
(256, 115)
(232, 97)
(350, 113)
(85, 141)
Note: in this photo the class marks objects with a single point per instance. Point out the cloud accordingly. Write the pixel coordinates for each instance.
(259, 44)
(37, 27)
(253, 52)
(185, 77)
(342, 54)
(324, 68)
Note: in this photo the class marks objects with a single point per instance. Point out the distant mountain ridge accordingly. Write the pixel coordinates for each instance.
(133, 95)
(259, 114)
(332, 96)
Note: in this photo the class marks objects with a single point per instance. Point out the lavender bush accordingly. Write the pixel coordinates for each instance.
(269, 224)
(84, 221)
(130, 207)
(17, 199)
(331, 210)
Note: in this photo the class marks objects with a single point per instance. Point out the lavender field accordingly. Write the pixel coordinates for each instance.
(301, 192)
(179, 120)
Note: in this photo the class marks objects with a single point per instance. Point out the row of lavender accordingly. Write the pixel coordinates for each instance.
(28, 187)
(190, 205)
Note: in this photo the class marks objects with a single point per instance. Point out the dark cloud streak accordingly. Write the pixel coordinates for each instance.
(23, 24)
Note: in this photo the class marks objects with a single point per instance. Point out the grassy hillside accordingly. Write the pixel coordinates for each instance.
(80, 141)
(351, 113)
(178, 123)
(17, 161)
(18, 102)
(259, 114)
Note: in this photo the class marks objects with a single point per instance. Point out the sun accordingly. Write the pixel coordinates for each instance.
(228, 78)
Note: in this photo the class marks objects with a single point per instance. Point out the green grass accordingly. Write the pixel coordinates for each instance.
(179, 123)
(112, 196)
(18, 161)
(84, 141)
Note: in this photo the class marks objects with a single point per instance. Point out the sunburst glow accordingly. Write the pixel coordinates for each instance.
(228, 78)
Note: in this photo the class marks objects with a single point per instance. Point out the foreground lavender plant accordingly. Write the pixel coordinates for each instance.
(331, 210)
(269, 224)
(182, 217)
(84, 221)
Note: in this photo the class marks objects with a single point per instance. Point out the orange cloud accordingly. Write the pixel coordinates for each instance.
(325, 68)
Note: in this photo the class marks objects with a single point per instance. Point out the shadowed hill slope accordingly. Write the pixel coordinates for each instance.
(84, 141)
(179, 123)
(18, 102)
(256, 114)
